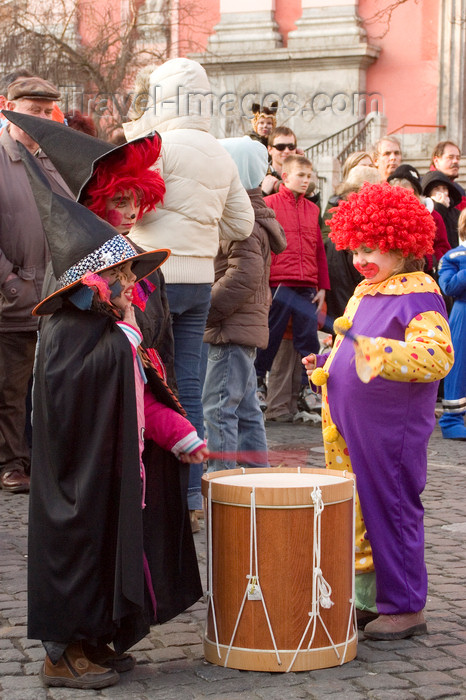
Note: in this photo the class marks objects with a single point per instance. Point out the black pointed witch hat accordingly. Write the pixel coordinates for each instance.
(74, 154)
(79, 241)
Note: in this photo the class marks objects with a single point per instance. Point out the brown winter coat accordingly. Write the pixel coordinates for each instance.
(23, 247)
(241, 295)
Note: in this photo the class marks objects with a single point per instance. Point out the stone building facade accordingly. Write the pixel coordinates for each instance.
(339, 62)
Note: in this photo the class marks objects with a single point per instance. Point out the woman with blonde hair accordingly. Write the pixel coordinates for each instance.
(356, 158)
(343, 276)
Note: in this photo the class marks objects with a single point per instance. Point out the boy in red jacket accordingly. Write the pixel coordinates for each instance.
(299, 275)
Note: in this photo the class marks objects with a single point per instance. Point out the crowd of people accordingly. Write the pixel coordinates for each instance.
(175, 283)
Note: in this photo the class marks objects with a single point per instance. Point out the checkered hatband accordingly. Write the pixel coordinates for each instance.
(112, 252)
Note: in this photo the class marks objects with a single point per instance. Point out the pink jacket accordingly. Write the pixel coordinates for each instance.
(167, 428)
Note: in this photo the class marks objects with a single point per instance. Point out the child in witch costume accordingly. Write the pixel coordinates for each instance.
(98, 570)
(379, 387)
(111, 181)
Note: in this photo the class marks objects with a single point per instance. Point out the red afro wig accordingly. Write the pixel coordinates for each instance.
(127, 169)
(384, 217)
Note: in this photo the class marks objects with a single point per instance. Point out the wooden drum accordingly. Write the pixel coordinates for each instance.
(280, 569)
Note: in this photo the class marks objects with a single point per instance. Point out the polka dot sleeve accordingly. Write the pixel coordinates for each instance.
(425, 355)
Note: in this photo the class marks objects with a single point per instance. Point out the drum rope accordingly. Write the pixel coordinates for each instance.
(321, 589)
(210, 587)
(352, 613)
(253, 585)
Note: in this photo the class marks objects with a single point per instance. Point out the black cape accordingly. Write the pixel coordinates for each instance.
(87, 530)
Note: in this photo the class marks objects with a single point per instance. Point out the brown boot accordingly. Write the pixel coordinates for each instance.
(103, 655)
(387, 627)
(75, 670)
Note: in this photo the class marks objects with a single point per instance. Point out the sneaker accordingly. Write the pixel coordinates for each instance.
(308, 400)
(261, 392)
(283, 418)
(306, 417)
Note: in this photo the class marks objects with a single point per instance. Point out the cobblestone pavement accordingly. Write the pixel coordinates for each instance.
(170, 661)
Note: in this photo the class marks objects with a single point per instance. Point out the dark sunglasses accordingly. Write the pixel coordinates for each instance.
(282, 146)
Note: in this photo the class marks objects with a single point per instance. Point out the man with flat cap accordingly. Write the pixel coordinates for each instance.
(23, 258)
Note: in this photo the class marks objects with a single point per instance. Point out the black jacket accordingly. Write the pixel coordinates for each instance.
(451, 214)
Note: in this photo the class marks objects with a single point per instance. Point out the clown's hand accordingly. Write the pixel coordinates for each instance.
(369, 357)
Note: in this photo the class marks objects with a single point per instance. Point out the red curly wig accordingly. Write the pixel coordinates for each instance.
(384, 217)
(127, 169)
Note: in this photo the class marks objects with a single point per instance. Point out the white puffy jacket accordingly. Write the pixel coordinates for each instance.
(205, 199)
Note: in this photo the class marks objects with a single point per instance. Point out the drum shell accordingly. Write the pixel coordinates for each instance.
(285, 532)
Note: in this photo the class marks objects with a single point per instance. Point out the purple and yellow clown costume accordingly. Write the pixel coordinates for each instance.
(379, 388)
(380, 430)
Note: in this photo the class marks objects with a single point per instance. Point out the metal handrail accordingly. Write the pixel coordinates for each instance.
(418, 126)
(334, 142)
(357, 143)
(338, 142)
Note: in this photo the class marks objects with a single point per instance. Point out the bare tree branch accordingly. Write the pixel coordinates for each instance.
(384, 16)
(94, 50)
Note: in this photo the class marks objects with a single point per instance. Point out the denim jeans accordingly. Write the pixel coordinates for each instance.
(189, 306)
(232, 414)
(294, 302)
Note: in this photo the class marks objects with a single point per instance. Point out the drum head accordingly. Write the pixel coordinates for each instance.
(281, 480)
(277, 487)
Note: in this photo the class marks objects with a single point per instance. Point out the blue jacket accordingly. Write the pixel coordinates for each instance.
(452, 273)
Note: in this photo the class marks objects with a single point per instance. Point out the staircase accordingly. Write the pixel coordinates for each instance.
(356, 137)
(360, 136)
